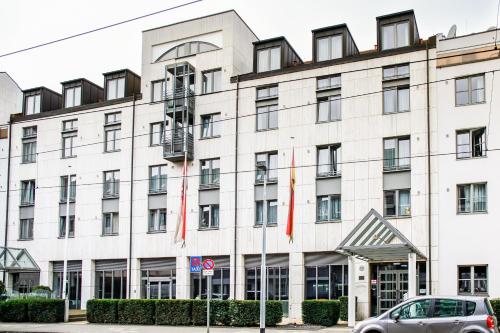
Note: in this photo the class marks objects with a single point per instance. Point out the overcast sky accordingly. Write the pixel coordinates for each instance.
(27, 22)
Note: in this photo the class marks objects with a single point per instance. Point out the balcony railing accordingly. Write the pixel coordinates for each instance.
(176, 144)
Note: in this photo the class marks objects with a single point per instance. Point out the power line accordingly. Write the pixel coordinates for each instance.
(98, 29)
(249, 115)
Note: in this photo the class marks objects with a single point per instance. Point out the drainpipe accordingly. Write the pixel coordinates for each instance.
(429, 197)
(7, 198)
(236, 184)
(131, 200)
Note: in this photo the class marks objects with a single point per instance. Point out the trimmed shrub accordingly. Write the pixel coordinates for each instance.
(199, 313)
(174, 312)
(104, 311)
(320, 312)
(495, 304)
(15, 310)
(43, 289)
(344, 300)
(244, 313)
(219, 311)
(137, 311)
(274, 313)
(45, 310)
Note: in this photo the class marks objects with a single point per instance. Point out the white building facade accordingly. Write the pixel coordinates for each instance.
(373, 204)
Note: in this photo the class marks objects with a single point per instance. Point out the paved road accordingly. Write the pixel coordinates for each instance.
(83, 327)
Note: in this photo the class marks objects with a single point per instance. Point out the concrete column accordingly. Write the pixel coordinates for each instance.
(351, 304)
(136, 279)
(240, 277)
(182, 278)
(296, 287)
(412, 275)
(88, 282)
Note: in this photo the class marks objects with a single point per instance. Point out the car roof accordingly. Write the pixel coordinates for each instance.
(460, 297)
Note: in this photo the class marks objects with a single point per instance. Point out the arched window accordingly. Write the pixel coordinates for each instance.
(187, 49)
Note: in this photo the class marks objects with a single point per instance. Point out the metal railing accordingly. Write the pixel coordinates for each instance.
(177, 142)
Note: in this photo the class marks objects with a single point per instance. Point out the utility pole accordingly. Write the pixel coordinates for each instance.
(263, 276)
(66, 236)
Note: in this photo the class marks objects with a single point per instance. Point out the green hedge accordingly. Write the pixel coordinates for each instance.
(495, 304)
(136, 311)
(344, 301)
(37, 310)
(103, 311)
(320, 312)
(182, 312)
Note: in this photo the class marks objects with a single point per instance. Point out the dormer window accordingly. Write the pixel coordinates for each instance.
(32, 104)
(72, 97)
(329, 47)
(395, 35)
(268, 59)
(115, 88)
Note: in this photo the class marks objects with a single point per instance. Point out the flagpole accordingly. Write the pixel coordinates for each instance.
(263, 275)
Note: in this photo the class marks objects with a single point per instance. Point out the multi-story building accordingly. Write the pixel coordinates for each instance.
(366, 128)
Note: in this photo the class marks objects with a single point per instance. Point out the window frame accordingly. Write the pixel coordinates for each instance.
(397, 89)
(334, 158)
(397, 199)
(211, 225)
(267, 88)
(37, 98)
(471, 145)
(331, 50)
(331, 100)
(331, 198)
(64, 188)
(73, 99)
(152, 133)
(330, 79)
(115, 228)
(469, 89)
(267, 116)
(344, 283)
(397, 166)
(62, 232)
(268, 159)
(69, 134)
(116, 94)
(30, 228)
(211, 183)
(395, 36)
(115, 188)
(205, 81)
(28, 185)
(269, 59)
(270, 203)
(212, 124)
(471, 198)
(157, 226)
(29, 139)
(158, 186)
(472, 279)
(162, 91)
(112, 126)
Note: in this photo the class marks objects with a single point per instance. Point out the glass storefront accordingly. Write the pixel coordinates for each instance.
(158, 284)
(326, 281)
(220, 284)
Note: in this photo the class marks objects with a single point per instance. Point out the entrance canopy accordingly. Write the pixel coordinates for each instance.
(12, 259)
(375, 239)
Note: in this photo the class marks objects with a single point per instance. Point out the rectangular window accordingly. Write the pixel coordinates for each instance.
(471, 143)
(115, 88)
(329, 82)
(211, 81)
(329, 108)
(32, 104)
(157, 221)
(326, 281)
(111, 284)
(28, 192)
(157, 91)
(219, 288)
(111, 184)
(72, 97)
(473, 280)
(267, 92)
(268, 59)
(210, 126)
(26, 229)
(395, 35)
(271, 162)
(469, 90)
(156, 134)
(277, 282)
(397, 154)
(62, 226)
(397, 203)
(210, 173)
(329, 161)
(29, 144)
(267, 117)
(110, 224)
(158, 179)
(209, 217)
(112, 131)
(328, 208)
(472, 198)
(69, 134)
(328, 48)
(396, 99)
(64, 189)
(396, 72)
(272, 212)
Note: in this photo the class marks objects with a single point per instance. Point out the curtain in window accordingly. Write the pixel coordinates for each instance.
(402, 34)
(335, 208)
(464, 198)
(322, 208)
(389, 154)
(463, 145)
(404, 203)
(404, 153)
(479, 197)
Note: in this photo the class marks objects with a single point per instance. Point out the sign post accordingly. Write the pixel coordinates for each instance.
(208, 271)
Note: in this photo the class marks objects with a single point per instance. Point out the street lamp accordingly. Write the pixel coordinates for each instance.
(66, 236)
(261, 166)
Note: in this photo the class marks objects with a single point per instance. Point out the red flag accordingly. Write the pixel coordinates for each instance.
(291, 205)
(180, 229)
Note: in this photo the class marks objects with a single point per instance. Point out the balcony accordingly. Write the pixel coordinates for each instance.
(177, 143)
(182, 102)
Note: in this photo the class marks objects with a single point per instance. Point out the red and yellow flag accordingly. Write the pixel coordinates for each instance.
(180, 229)
(291, 205)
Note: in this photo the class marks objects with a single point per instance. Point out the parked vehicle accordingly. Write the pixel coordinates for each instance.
(435, 314)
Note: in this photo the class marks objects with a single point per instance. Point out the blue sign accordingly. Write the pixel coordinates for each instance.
(195, 263)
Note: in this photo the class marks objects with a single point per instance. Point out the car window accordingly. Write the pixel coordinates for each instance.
(448, 308)
(413, 310)
(488, 307)
(470, 308)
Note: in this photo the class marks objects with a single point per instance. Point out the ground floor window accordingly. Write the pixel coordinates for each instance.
(277, 283)
(220, 284)
(326, 281)
(473, 280)
(158, 284)
(24, 282)
(111, 284)
(74, 288)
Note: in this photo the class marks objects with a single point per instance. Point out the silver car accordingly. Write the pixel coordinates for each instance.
(434, 314)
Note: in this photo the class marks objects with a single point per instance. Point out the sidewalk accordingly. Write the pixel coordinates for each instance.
(84, 327)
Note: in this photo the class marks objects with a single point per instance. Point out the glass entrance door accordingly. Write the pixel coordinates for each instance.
(392, 288)
(159, 288)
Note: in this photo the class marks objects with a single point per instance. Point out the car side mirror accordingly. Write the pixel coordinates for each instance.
(396, 317)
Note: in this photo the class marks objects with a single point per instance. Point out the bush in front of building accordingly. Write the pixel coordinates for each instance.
(320, 312)
(174, 312)
(274, 313)
(42, 310)
(137, 311)
(15, 310)
(104, 311)
(244, 313)
(344, 301)
(495, 304)
(219, 310)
